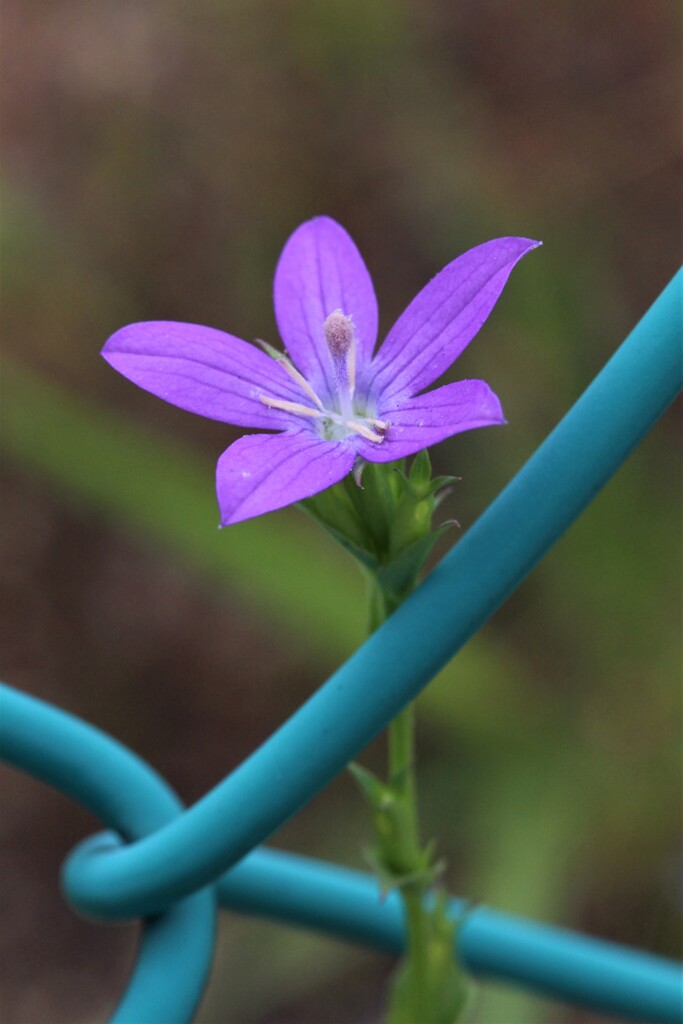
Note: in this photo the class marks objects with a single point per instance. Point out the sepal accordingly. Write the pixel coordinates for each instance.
(333, 510)
(382, 515)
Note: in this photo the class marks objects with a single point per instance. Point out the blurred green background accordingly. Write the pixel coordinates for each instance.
(157, 156)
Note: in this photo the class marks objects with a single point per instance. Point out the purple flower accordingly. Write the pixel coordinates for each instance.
(329, 400)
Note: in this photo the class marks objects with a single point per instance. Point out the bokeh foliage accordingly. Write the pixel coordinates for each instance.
(159, 155)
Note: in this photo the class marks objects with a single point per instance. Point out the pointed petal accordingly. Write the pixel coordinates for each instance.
(426, 420)
(263, 472)
(444, 317)
(321, 270)
(204, 371)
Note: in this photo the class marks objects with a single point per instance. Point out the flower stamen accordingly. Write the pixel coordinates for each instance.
(305, 410)
(340, 337)
(299, 378)
(295, 407)
(364, 431)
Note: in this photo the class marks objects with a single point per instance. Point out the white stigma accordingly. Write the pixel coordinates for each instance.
(340, 337)
(339, 334)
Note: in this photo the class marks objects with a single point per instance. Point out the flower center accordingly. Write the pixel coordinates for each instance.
(344, 419)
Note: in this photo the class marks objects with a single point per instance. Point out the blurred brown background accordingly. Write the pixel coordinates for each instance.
(157, 155)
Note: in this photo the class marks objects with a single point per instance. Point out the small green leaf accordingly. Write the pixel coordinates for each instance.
(366, 558)
(333, 510)
(389, 878)
(439, 483)
(386, 878)
(421, 473)
(378, 794)
(400, 575)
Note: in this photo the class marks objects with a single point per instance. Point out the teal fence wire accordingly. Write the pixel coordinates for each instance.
(173, 867)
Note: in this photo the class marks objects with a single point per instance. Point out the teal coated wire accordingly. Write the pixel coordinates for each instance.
(390, 669)
(498, 946)
(176, 948)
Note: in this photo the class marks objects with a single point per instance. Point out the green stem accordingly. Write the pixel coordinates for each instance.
(406, 849)
(386, 523)
(401, 743)
(417, 926)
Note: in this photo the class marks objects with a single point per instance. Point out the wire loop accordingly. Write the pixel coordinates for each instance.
(176, 948)
(172, 863)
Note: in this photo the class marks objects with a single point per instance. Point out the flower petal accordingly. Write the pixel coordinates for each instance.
(321, 270)
(428, 419)
(262, 472)
(204, 371)
(444, 317)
